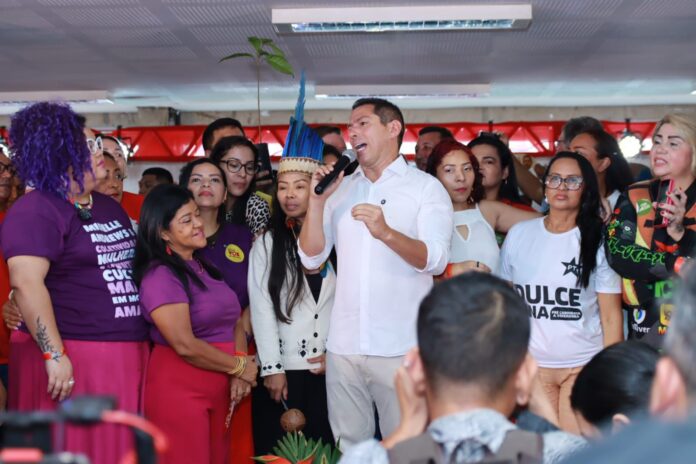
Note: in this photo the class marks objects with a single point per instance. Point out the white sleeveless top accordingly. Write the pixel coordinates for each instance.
(480, 245)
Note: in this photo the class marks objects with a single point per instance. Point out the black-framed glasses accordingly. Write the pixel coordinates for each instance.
(234, 165)
(554, 181)
(7, 168)
(95, 145)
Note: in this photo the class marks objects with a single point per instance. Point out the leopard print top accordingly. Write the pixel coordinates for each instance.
(258, 213)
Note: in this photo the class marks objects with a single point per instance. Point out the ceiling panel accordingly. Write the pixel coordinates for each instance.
(164, 48)
(108, 17)
(133, 36)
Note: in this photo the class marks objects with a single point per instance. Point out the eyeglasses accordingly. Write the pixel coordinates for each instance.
(234, 165)
(571, 182)
(7, 168)
(95, 145)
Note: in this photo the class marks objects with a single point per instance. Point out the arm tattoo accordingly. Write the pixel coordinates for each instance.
(42, 338)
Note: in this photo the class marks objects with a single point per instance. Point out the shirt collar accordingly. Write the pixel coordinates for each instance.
(398, 167)
(483, 425)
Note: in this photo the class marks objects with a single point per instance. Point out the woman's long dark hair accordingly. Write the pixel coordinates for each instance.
(508, 189)
(185, 177)
(588, 220)
(221, 148)
(616, 381)
(159, 208)
(618, 175)
(285, 267)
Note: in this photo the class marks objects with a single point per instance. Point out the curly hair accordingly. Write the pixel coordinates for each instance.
(48, 143)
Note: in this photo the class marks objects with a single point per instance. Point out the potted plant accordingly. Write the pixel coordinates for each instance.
(295, 448)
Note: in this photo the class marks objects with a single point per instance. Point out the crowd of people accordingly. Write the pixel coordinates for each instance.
(462, 308)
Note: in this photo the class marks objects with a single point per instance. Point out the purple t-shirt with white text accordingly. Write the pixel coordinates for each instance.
(213, 310)
(90, 274)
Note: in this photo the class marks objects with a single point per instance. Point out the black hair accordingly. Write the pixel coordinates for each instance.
(162, 175)
(221, 123)
(225, 144)
(387, 112)
(473, 328)
(443, 131)
(285, 266)
(617, 380)
(508, 189)
(618, 175)
(588, 220)
(574, 126)
(185, 177)
(330, 150)
(158, 210)
(326, 130)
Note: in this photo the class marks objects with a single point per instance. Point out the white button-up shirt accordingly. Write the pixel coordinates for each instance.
(377, 292)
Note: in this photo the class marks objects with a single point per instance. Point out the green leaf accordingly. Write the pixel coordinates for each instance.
(236, 55)
(257, 43)
(276, 49)
(280, 64)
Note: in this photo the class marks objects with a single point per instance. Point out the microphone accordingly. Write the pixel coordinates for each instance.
(347, 157)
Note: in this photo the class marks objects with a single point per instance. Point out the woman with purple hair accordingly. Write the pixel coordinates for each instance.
(69, 251)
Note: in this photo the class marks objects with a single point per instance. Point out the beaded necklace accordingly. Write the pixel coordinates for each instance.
(84, 212)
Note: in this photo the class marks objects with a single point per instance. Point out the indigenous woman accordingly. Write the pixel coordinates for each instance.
(192, 313)
(69, 252)
(474, 245)
(238, 158)
(290, 307)
(557, 264)
(653, 231)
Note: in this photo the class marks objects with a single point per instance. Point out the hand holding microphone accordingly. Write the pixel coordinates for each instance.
(347, 157)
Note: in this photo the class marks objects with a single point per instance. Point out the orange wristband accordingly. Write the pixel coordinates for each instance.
(679, 264)
(48, 355)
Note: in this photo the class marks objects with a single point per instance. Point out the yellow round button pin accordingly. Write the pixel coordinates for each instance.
(234, 253)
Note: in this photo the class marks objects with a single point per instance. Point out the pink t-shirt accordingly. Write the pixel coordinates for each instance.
(89, 278)
(213, 310)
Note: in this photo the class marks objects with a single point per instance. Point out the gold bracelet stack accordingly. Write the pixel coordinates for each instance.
(241, 366)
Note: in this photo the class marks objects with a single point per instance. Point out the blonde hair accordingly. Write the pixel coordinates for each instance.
(686, 126)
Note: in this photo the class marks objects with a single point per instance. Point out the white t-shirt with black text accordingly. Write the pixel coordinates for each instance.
(543, 267)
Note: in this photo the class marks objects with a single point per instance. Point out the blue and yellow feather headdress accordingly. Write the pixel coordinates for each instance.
(304, 149)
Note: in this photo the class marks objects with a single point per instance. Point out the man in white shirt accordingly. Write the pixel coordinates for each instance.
(391, 226)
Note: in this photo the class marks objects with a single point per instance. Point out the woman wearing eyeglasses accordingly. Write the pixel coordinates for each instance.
(238, 158)
(69, 251)
(557, 264)
(653, 231)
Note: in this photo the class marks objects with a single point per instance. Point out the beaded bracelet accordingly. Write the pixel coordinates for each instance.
(54, 355)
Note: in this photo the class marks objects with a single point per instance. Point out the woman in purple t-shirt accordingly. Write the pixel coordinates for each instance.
(192, 313)
(227, 248)
(69, 252)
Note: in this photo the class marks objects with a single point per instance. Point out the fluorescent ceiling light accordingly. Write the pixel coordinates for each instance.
(401, 91)
(67, 96)
(402, 18)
